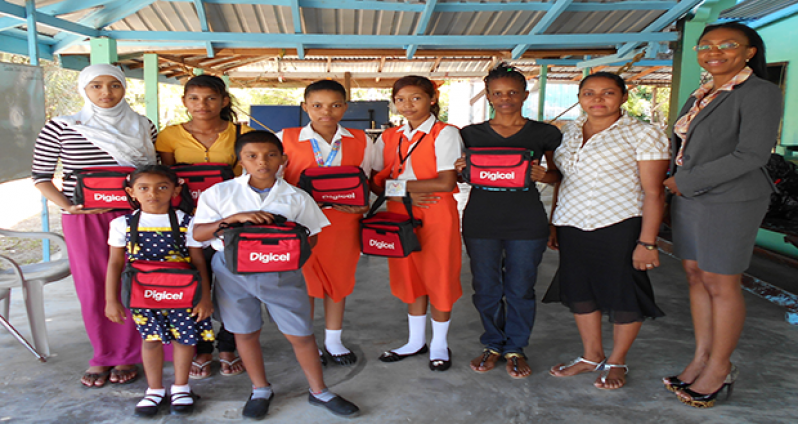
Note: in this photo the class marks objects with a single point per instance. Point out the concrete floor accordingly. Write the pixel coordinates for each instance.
(408, 391)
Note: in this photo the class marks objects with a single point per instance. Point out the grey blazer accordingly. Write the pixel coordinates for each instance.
(729, 143)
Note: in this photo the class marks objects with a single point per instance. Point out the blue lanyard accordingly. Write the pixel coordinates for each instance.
(336, 146)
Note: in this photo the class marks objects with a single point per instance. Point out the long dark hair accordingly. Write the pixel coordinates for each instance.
(504, 70)
(758, 64)
(217, 85)
(422, 83)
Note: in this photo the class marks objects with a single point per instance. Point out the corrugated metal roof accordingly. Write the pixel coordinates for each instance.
(755, 9)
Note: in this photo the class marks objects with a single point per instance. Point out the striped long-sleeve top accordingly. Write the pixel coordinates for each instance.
(58, 140)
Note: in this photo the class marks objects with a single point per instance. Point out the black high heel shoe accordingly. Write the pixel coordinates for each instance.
(674, 384)
(699, 400)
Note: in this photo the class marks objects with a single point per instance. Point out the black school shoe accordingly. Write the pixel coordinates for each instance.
(337, 405)
(257, 408)
(440, 364)
(150, 410)
(182, 409)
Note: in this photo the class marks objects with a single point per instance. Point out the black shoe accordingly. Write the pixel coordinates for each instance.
(440, 364)
(337, 405)
(184, 409)
(257, 408)
(673, 383)
(152, 409)
(346, 359)
(391, 356)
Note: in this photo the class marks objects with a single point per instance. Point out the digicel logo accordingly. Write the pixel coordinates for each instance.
(269, 257)
(162, 295)
(338, 196)
(195, 194)
(381, 244)
(493, 176)
(109, 198)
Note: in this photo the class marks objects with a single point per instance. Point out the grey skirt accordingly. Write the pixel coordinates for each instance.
(719, 236)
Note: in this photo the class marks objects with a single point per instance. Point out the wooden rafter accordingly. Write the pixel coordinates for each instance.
(645, 72)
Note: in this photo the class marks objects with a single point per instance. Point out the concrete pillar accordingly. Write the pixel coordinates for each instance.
(103, 50)
(198, 72)
(544, 77)
(226, 79)
(151, 87)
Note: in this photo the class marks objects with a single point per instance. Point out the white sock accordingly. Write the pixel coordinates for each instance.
(325, 395)
(417, 335)
(332, 341)
(157, 392)
(439, 347)
(186, 400)
(262, 392)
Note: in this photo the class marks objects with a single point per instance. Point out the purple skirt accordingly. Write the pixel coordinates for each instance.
(87, 244)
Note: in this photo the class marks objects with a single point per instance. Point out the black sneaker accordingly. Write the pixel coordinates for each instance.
(337, 405)
(257, 408)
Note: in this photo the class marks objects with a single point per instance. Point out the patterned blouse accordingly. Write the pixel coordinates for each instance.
(601, 181)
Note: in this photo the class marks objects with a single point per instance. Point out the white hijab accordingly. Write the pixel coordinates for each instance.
(118, 131)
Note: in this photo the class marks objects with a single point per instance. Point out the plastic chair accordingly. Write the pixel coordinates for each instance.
(32, 278)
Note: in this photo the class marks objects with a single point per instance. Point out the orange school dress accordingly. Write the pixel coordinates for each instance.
(435, 270)
(331, 268)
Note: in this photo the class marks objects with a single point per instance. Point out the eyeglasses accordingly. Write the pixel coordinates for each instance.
(721, 47)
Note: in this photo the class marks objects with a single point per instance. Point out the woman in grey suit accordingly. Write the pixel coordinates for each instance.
(722, 140)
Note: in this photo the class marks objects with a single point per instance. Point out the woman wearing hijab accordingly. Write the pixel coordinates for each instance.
(106, 132)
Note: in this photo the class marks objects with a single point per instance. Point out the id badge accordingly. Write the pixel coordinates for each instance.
(395, 188)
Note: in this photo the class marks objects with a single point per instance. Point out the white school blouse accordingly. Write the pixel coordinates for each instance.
(235, 196)
(307, 133)
(448, 148)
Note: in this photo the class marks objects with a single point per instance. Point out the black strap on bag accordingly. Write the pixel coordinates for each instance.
(277, 220)
(406, 200)
(134, 229)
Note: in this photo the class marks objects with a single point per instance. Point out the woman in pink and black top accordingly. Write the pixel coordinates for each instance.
(106, 132)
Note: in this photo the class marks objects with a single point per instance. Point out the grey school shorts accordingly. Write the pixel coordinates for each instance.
(238, 299)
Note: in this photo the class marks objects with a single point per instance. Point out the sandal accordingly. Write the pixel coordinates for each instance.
(605, 372)
(487, 361)
(230, 365)
(205, 370)
(598, 366)
(149, 404)
(513, 368)
(124, 376)
(93, 377)
(182, 403)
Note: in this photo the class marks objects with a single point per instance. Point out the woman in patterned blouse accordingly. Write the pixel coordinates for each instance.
(605, 219)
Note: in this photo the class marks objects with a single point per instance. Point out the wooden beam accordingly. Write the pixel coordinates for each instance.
(436, 65)
(348, 85)
(329, 64)
(645, 72)
(593, 70)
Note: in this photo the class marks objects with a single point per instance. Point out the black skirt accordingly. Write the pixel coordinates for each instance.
(596, 274)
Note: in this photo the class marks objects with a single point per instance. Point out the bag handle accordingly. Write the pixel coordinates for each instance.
(406, 200)
(134, 229)
(278, 220)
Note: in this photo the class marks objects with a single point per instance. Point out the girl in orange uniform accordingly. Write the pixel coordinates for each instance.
(422, 153)
(330, 271)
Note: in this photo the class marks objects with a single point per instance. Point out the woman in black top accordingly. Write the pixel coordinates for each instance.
(505, 232)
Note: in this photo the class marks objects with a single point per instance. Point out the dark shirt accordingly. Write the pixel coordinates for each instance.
(511, 215)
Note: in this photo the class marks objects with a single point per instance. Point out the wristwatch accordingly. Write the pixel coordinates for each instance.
(648, 246)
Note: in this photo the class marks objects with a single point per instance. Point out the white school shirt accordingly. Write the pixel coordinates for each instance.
(147, 222)
(448, 148)
(234, 196)
(601, 180)
(307, 133)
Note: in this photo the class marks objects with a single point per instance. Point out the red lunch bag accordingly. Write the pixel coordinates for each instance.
(498, 168)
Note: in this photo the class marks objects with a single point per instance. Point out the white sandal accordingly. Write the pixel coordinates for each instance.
(606, 371)
(598, 366)
(229, 366)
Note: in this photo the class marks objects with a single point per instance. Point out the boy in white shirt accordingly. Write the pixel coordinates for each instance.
(256, 197)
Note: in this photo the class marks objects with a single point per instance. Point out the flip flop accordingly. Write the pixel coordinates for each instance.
(124, 373)
(597, 366)
(93, 377)
(512, 365)
(487, 360)
(230, 365)
(201, 366)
